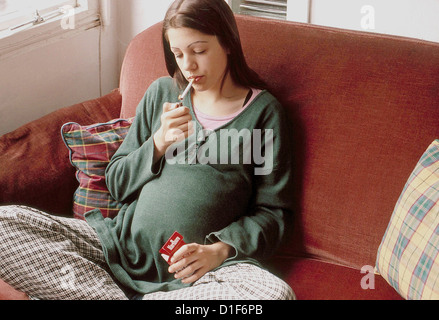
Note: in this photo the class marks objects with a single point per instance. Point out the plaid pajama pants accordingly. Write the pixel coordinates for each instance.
(55, 258)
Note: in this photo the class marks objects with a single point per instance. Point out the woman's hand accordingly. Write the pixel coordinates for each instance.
(194, 260)
(176, 125)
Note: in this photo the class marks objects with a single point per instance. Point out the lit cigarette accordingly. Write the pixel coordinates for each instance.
(185, 92)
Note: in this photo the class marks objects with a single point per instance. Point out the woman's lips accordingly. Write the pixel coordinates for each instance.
(196, 78)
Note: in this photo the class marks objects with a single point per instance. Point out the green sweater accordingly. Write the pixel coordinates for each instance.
(206, 195)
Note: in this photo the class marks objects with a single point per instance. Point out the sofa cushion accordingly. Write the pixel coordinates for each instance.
(313, 279)
(408, 254)
(90, 150)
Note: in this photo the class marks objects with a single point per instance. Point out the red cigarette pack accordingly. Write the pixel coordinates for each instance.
(171, 246)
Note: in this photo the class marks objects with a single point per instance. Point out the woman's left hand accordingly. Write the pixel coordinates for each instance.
(194, 260)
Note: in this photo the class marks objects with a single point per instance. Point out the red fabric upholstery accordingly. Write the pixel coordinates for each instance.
(319, 280)
(144, 62)
(364, 108)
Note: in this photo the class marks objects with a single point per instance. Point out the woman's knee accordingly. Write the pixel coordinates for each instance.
(252, 282)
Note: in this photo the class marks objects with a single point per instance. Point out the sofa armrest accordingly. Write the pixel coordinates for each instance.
(34, 162)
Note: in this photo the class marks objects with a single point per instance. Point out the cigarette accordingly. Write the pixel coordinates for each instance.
(185, 92)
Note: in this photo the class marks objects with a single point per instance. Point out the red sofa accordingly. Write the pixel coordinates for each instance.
(363, 107)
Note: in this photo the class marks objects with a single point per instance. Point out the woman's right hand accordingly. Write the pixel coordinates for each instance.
(176, 125)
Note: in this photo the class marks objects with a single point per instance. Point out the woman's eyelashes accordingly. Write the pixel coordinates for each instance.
(179, 55)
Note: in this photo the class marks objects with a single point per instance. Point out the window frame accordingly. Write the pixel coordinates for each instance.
(296, 10)
(86, 16)
(259, 8)
(15, 18)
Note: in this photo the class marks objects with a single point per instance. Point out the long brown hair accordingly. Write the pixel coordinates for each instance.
(212, 17)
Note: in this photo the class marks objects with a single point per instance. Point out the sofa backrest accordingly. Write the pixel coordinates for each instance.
(363, 106)
(143, 63)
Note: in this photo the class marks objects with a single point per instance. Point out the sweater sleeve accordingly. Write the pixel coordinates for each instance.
(132, 165)
(258, 234)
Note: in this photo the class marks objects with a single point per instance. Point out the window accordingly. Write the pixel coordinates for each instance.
(26, 24)
(276, 9)
(18, 13)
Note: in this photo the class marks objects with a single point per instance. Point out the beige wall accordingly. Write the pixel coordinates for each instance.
(410, 18)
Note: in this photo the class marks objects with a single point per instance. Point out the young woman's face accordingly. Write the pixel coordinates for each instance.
(199, 56)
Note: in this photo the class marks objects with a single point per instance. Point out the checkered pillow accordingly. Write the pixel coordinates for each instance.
(90, 150)
(408, 254)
